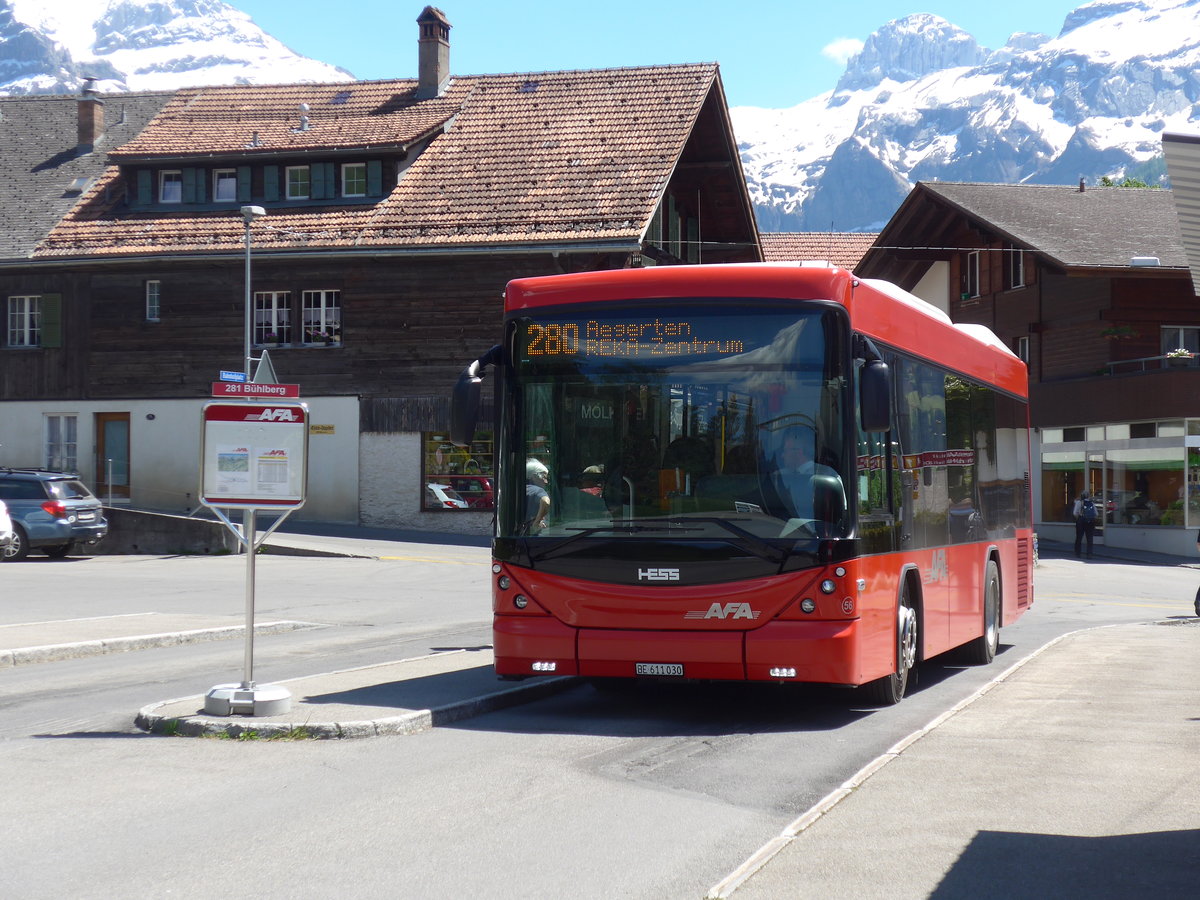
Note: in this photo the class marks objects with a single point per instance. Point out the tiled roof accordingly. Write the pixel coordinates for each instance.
(525, 158)
(227, 119)
(1096, 227)
(39, 161)
(842, 248)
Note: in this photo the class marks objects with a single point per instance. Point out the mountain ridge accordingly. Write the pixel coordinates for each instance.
(921, 100)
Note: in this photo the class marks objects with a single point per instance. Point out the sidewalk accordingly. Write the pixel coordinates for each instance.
(1072, 776)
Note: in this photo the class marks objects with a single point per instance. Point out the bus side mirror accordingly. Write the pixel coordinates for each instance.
(464, 401)
(464, 407)
(875, 391)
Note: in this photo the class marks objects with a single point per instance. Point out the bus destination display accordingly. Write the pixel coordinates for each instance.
(595, 339)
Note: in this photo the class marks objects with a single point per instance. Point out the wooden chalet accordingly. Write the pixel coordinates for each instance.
(393, 214)
(1091, 287)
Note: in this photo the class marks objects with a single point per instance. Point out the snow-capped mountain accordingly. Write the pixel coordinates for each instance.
(49, 46)
(923, 101)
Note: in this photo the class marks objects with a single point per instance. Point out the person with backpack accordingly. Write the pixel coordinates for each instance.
(1085, 522)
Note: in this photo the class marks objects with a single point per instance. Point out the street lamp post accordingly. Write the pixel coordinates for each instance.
(249, 213)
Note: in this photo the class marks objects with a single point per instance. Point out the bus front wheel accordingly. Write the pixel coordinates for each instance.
(890, 689)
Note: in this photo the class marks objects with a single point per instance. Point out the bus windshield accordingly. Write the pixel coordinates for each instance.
(696, 419)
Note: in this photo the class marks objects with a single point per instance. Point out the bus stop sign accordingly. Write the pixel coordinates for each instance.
(254, 455)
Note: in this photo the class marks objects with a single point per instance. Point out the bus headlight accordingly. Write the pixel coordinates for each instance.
(808, 605)
(520, 601)
(828, 586)
(503, 582)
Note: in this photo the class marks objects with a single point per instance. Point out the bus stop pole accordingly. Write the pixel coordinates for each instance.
(249, 529)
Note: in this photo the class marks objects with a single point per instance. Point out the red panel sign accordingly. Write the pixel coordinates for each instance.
(250, 389)
(254, 455)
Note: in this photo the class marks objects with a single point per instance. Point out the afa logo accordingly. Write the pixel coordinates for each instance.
(279, 414)
(725, 611)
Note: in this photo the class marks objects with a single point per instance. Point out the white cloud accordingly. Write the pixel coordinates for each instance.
(842, 49)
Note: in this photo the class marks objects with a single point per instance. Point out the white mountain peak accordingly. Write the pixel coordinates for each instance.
(144, 45)
(923, 101)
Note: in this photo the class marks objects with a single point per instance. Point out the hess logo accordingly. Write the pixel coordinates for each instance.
(658, 574)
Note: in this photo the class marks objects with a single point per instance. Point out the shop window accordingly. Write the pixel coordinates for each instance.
(456, 478)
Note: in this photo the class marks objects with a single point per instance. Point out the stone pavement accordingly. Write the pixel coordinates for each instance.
(1074, 774)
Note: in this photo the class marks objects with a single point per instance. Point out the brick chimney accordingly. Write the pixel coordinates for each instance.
(91, 117)
(433, 53)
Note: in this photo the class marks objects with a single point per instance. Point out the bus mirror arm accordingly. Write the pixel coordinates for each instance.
(464, 402)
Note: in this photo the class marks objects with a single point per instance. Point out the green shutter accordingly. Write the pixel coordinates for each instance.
(271, 182)
(243, 188)
(51, 316)
(145, 186)
(319, 189)
(374, 178)
(189, 185)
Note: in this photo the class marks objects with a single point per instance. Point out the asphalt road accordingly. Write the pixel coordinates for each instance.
(584, 794)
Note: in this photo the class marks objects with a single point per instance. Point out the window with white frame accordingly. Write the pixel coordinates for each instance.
(25, 321)
(1180, 337)
(1016, 266)
(153, 289)
(354, 179)
(322, 320)
(170, 186)
(971, 275)
(1021, 348)
(272, 317)
(225, 185)
(299, 184)
(62, 442)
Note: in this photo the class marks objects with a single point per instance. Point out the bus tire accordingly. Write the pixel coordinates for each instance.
(982, 650)
(890, 689)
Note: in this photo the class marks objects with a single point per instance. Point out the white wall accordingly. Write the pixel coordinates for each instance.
(934, 286)
(164, 450)
(392, 492)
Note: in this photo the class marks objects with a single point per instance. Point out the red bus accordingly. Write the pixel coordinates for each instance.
(775, 473)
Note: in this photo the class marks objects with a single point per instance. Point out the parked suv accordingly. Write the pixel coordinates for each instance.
(51, 512)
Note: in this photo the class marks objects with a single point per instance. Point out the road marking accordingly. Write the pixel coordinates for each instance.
(437, 559)
(1183, 604)
(83, 619)
(731, 882)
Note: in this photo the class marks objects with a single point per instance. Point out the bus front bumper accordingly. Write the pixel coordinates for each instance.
(816, 651)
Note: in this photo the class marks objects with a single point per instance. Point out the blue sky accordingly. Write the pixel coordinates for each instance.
(773, 53)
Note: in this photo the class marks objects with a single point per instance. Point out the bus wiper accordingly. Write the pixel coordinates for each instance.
(629, 526)
(763, 548)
